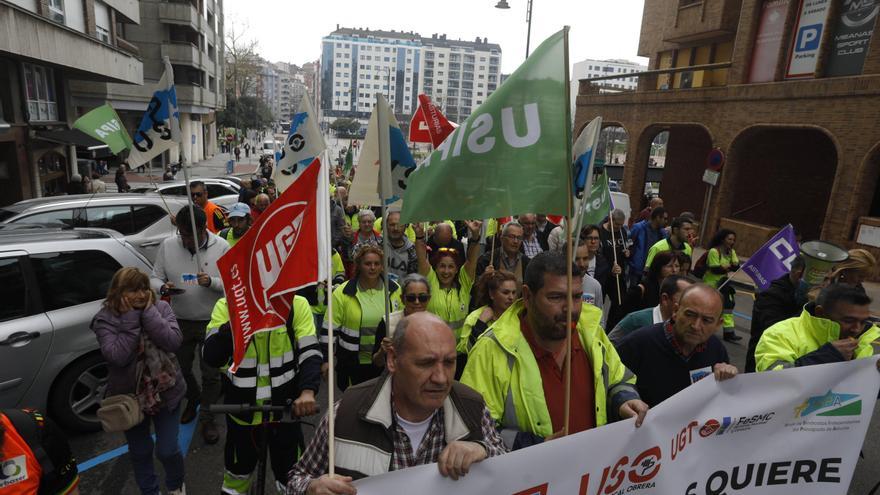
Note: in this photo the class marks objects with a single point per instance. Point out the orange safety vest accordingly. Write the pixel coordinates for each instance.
(210, 212)
(20, 471)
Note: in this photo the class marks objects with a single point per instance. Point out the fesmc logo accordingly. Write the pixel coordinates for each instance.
(830, 404)
(275, 240)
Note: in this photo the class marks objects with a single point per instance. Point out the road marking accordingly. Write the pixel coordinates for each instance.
(184, 438)
(742, 315)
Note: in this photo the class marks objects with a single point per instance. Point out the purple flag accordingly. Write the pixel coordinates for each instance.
(774, 258)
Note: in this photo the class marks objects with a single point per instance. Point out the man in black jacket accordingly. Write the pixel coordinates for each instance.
(779, 302)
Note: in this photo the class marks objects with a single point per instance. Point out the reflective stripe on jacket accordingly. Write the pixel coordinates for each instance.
(271, 360)
(784, 343)
(350, 334)
(502, 367)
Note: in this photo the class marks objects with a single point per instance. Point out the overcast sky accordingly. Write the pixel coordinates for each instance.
(291, 31)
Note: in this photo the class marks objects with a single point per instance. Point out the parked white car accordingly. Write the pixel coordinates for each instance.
(144, 219)
(222, 192)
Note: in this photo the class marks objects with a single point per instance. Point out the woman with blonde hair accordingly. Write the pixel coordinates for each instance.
(856, 269)
(358, 308)
(138, 336)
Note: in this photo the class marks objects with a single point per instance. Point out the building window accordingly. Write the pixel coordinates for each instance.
(56, 10)
(42, 101)
(102, 33)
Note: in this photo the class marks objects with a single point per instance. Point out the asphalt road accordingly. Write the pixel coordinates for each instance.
(204, 463)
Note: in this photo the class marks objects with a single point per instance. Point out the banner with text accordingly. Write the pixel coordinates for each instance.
(782, 432)
(852, 36)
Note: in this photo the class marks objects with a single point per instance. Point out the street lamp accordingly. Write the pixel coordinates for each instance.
(502, 4)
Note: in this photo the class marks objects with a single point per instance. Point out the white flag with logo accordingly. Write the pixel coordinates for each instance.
(159, 129)
(303, 144)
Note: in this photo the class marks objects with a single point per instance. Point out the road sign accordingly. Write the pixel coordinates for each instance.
(715, 160)
(711, 177)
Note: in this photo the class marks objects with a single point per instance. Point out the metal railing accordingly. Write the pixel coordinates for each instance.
(670, 70)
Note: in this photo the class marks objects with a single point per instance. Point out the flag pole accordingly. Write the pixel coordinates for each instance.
(614, 251)
(192, 214)
(729, 278)
(568, 243)
(328, 291)
(384, 192)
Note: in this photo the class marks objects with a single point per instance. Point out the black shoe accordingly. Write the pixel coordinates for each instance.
(210, 433)
(732, 337)
(189, 412)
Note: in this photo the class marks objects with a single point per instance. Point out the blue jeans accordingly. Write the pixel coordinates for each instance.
(140, 448)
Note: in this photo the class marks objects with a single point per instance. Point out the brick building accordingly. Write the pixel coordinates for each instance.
(789, 90)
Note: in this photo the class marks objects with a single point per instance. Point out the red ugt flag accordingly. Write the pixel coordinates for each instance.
(428, 125)
(276, 256)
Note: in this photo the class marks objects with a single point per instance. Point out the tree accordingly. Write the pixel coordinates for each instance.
(246, 112)
(345, 126)
(242, 63)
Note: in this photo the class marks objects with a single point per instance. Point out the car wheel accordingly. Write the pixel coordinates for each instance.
(78, 392)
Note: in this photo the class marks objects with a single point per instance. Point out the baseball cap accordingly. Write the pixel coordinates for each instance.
(239, 210)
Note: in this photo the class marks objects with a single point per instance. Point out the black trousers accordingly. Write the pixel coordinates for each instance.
(243, 447)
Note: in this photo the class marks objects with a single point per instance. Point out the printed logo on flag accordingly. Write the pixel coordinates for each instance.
(830, 404)
(276, 239)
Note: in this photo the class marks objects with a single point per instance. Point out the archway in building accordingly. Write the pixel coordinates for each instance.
(783, 175)
(611, 152)
(676, 162)
(872, 168)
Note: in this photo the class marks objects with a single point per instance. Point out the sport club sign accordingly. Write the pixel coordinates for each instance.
(782, 432)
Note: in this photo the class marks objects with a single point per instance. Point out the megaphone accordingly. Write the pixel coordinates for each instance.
(819, 258)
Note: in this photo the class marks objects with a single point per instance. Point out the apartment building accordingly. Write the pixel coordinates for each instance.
(46, 48)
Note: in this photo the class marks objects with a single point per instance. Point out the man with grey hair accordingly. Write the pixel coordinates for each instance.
(402, 258)
(415, 414)
(530, 243)
(671, 355)
(508, 255)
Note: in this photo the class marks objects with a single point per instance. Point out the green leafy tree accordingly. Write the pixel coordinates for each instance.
(247, 111)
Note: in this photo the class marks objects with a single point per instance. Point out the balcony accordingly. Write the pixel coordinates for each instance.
(703, 19)
(183, 54)
(184, 14)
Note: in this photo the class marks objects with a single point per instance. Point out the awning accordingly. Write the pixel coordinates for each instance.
(71, 137)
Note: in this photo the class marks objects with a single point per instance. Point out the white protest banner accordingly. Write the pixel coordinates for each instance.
(796, 431)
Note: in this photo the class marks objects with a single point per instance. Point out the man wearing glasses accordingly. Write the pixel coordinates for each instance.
(835, 328)
(671, 355)
(508, 256)
(193, 291)
(216, 217)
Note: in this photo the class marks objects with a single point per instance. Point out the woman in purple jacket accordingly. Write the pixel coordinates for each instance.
(129, 313)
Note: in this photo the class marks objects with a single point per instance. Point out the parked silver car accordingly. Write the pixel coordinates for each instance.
(52, 283)
(142, 218)
(222, 192)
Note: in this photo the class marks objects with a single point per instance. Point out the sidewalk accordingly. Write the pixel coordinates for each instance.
(212, 167)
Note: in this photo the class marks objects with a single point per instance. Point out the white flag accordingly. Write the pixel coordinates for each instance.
(160, 127)
(583, 152)
(367, 189)
(303, 144)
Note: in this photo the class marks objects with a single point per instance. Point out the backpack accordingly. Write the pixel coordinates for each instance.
(699, 268)
(29, 424)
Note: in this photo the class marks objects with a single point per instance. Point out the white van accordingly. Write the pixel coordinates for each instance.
(269, 147)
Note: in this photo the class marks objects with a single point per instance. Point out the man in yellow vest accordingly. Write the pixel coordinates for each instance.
(517, 365)
(239, 222)
(836, 328)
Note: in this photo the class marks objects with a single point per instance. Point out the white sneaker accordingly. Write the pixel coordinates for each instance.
(179, 491)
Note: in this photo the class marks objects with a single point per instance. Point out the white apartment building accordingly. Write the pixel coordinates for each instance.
(357, 64)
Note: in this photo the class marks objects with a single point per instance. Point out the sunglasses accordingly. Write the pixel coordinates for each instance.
(197, 194)
(422, 298)
(447, 250)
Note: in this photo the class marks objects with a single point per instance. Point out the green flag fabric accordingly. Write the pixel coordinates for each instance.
(103, 124)
(349, 160)
(510, 156)
(599, 202)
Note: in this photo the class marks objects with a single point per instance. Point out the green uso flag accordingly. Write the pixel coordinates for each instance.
(598, 204)
(511, 156)
(104, 125)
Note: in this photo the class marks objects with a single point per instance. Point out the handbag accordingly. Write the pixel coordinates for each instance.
(120, 413)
